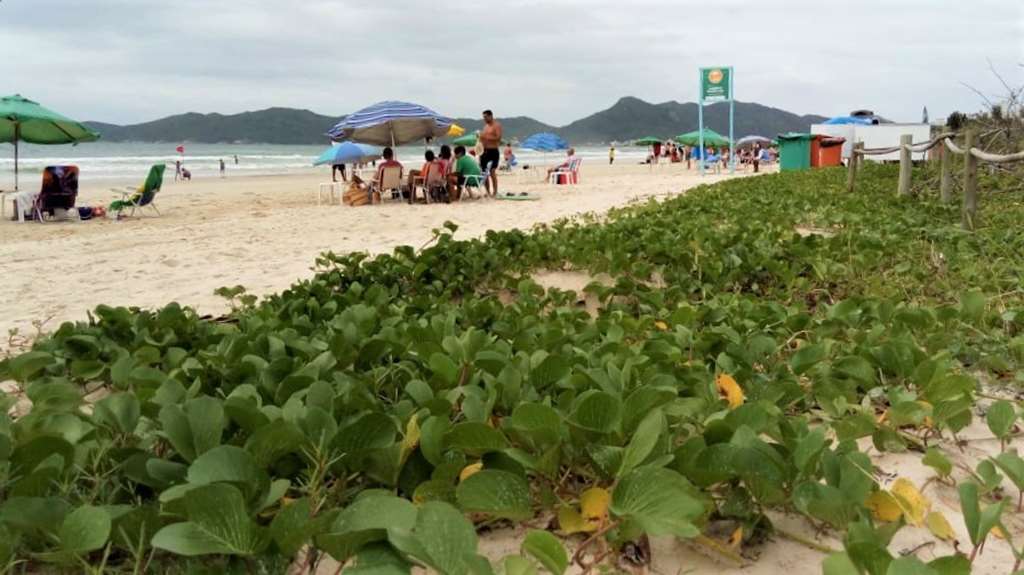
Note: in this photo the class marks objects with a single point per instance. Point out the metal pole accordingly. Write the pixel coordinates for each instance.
(732, 137)
(17, 136)
(700, 118)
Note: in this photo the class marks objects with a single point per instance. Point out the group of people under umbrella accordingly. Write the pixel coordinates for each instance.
(444, 176)
(707, 147)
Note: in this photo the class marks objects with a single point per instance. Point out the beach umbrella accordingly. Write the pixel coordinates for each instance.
(23, 120)
(467, 140)
(391, 124)
(347, 153)
(711, 138)
(752, 140)
(455, 130)
(544, 142)
(648, 141)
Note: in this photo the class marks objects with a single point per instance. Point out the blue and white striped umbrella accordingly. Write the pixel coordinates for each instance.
(544, 142)
(391, 124)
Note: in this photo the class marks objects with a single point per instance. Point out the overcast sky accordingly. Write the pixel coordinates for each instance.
(127, 61)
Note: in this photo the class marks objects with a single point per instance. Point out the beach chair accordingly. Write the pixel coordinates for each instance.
(58, 192)
(474, 181)
(567, 175)
(391, 181)
(138, 198)
(435, 186)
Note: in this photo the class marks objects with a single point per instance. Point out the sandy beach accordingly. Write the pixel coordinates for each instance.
(261, 232)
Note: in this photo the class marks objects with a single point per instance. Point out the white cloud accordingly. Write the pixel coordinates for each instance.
(556, 60)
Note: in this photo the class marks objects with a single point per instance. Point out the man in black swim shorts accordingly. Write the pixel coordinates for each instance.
(490, 137)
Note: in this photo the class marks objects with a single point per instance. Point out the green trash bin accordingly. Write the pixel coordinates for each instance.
(795, 151)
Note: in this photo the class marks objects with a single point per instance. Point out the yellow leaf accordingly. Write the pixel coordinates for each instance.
(570, 521)
(729, 390)
(469, 470)
(914, 505)
(736, 538)
(883, 506)
(412, 437)
(662, 326)
(594, 504)
(998, 532)
(939, 526)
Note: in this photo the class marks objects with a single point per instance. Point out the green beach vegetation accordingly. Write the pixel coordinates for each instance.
(736, 353)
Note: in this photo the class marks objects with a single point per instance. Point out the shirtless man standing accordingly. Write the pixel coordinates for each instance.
(490, 137)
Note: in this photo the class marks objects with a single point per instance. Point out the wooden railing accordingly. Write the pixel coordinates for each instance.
(970, 174)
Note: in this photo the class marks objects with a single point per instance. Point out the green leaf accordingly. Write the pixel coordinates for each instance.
(516, 565)
(84, 529)
(596, 411)
(230, 464)
(366, 521)
(938, 461)
(550, 371)
(547, 550)
(1000, 418)
(218, 524)
(206, 421)
(442, 538)
(378, 559)
(1012, 465)
(659, 500)
(909, 565)
(839, 564)
(475, 438)
(271, 442)
(978, 521)
(118, 411)
(371, 431)
(24, 366)
(972, 307)
(807, 357)
(643, 442)
(497, 493)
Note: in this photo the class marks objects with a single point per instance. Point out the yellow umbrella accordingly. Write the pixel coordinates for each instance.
(456, 130)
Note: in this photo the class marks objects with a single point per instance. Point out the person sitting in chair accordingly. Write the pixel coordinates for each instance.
(570, 157)
(389, 162)
(464, 167)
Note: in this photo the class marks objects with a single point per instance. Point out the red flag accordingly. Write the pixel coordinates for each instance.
(180, 149)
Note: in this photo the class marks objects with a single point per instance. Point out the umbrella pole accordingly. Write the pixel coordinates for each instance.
(17, 136)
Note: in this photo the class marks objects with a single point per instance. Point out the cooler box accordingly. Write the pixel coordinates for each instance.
(795, 151)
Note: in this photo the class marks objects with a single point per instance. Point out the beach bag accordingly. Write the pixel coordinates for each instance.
(355, 196)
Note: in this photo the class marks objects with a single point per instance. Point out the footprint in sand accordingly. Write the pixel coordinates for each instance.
(170, 263)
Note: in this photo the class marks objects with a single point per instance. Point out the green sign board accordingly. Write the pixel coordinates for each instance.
(715, 84)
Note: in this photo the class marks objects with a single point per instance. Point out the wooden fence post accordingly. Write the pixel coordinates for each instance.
(946, 181)
(970, 209)
(905, 166)
(851, 167)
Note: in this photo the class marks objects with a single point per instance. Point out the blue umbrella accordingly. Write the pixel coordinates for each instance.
(841, 120)
(391, 124)
(544, 142)
(347, 153)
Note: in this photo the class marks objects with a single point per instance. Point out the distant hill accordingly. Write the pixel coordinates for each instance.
(628, 119)
(632, 118)
(270, 126)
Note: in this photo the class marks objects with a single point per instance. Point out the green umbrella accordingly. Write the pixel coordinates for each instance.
(467, 140)
(648, 141)
(711, 138)
(24, 120)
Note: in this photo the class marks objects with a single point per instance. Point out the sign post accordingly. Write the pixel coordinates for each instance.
(716, 85)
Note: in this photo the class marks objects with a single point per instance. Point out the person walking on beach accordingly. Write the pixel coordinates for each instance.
(177, 170)
(611, 155)
(236, 159)
(222, 167)
(338, 168)
(490, 138)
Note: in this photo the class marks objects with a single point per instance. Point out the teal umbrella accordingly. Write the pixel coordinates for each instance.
(648, 141)
(711, 138)
(22, 120)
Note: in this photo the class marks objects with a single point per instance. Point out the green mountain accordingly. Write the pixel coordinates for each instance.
(270, 126)
(628, 119)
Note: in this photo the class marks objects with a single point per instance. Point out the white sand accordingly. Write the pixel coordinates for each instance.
(261, 232)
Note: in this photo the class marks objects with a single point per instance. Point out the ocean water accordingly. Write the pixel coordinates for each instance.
(118, 162)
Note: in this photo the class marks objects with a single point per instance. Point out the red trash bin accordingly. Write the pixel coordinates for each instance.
(830, 151)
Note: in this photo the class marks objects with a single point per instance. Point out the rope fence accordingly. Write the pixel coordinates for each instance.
(971, 155)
